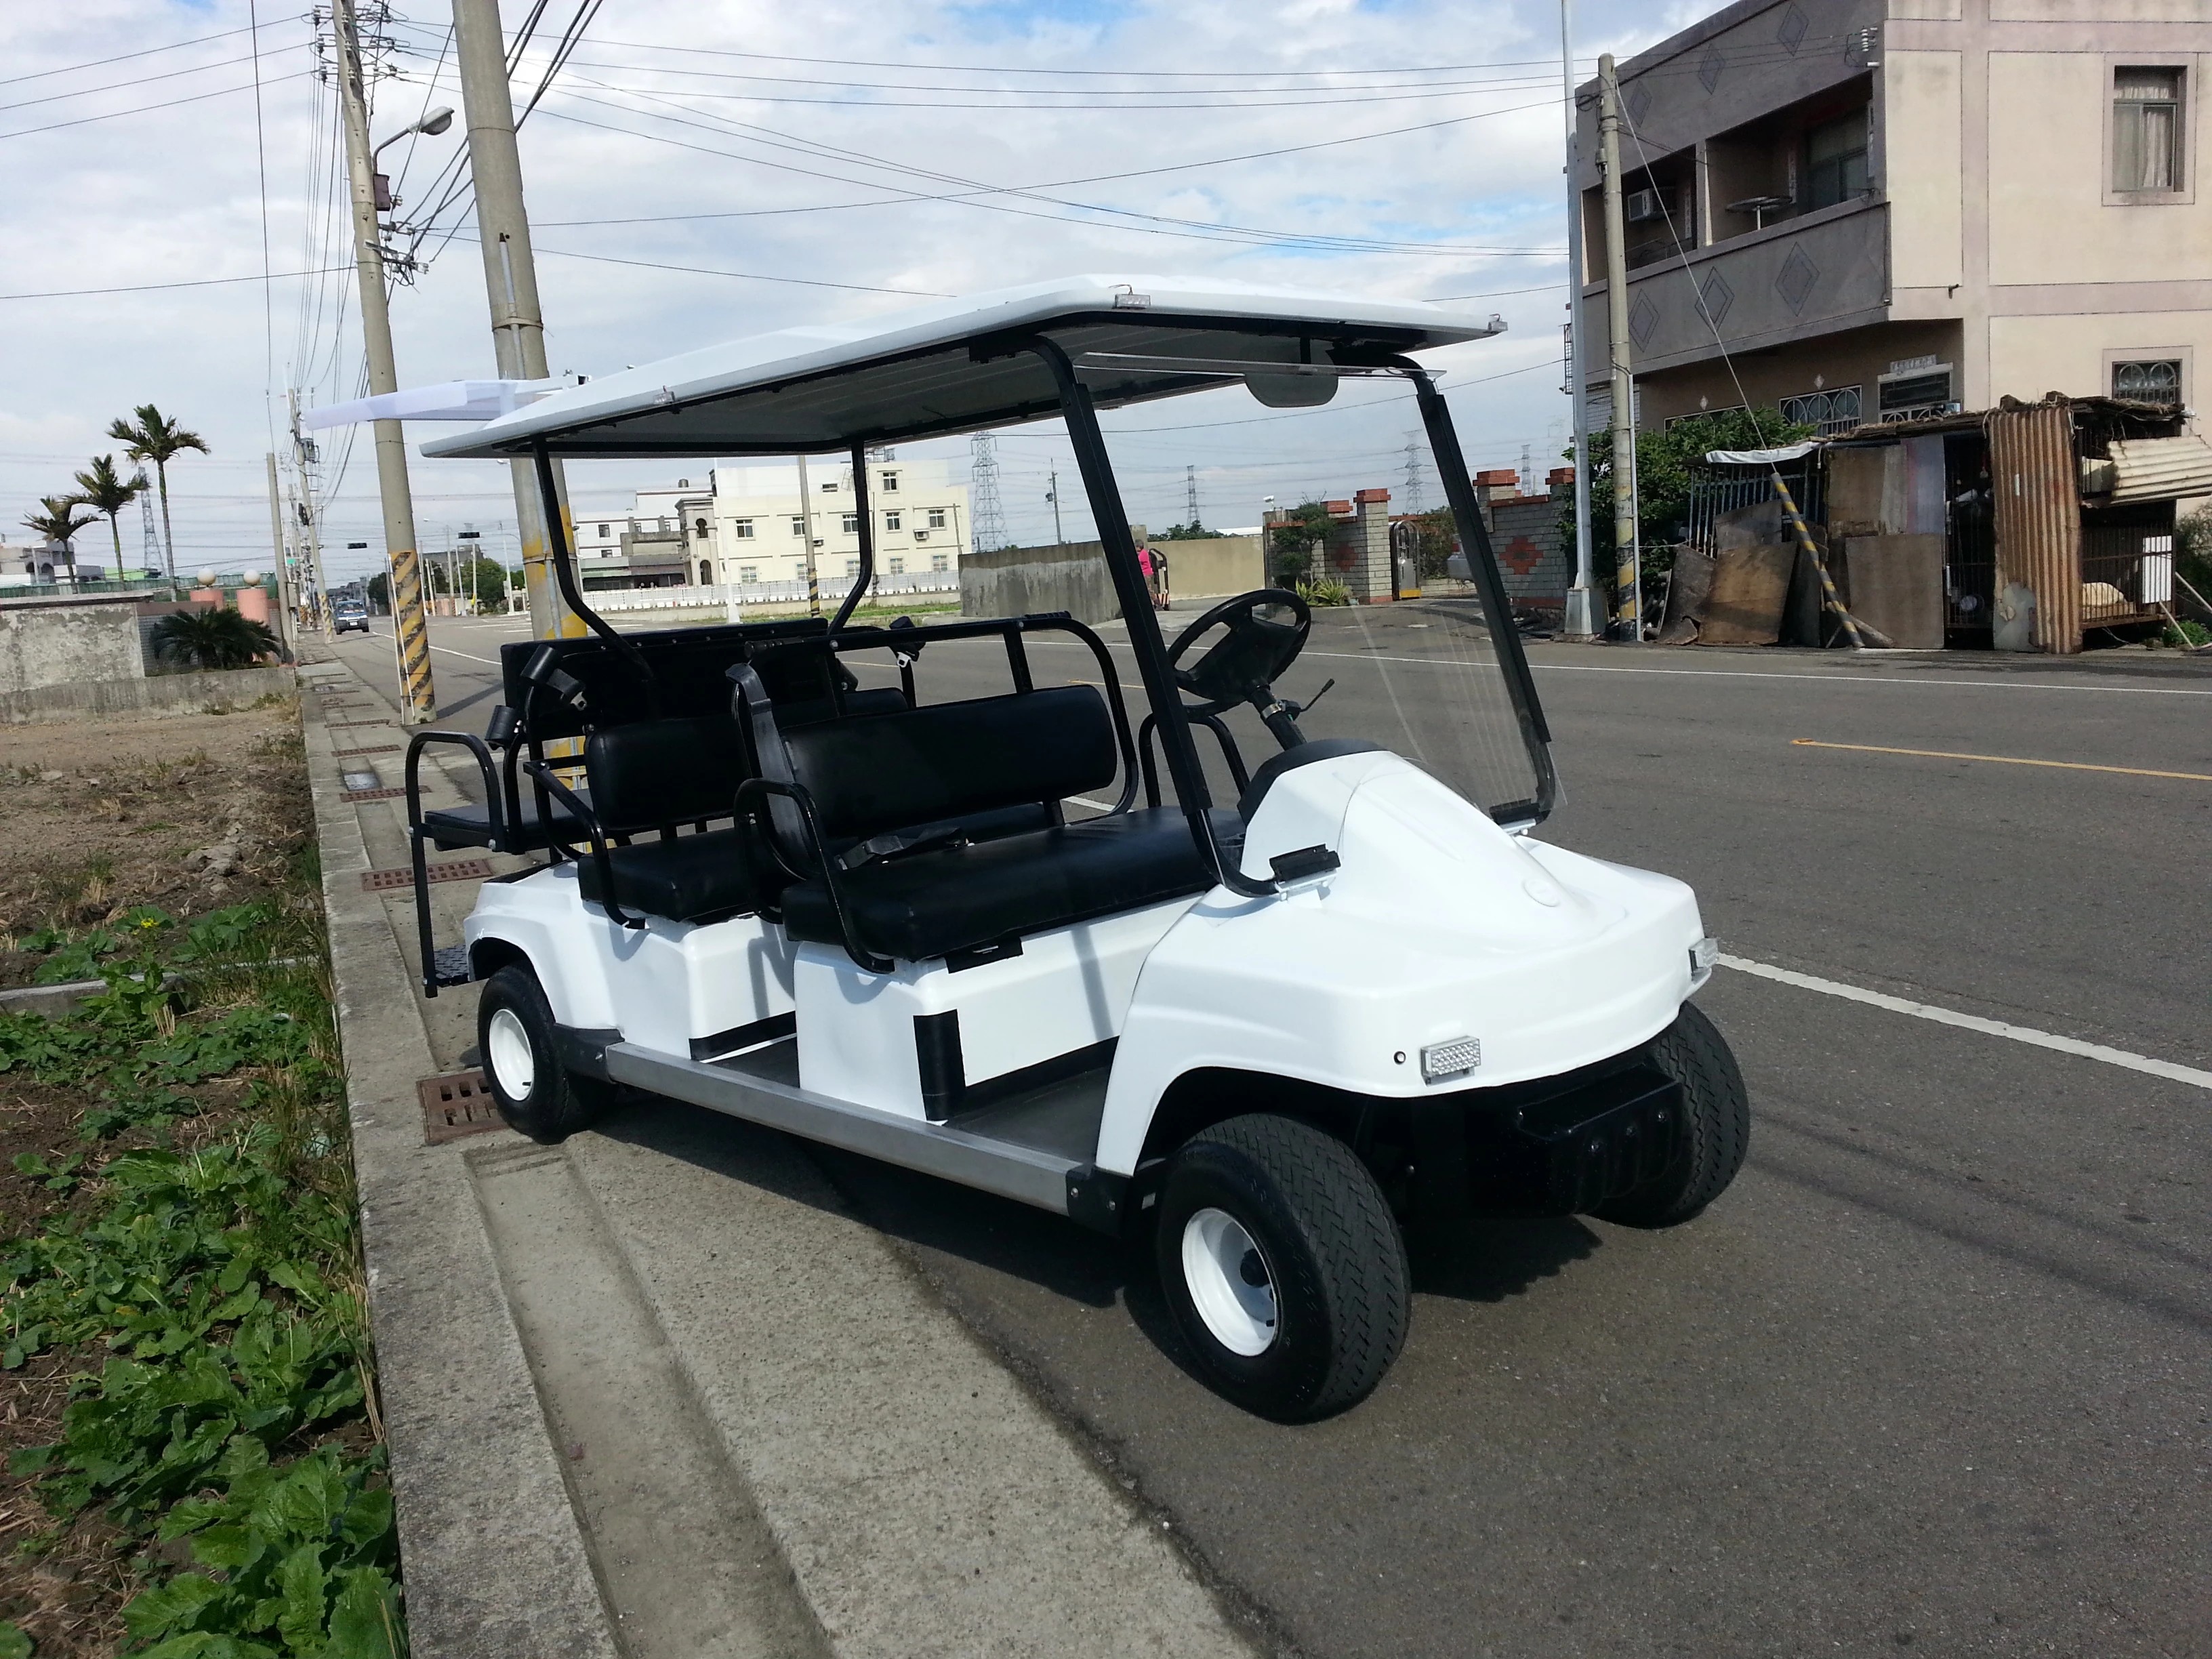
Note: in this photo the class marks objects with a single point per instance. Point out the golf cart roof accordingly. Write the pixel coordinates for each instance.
(912, 374)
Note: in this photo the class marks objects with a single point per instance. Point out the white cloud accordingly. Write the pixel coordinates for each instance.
(174, 195)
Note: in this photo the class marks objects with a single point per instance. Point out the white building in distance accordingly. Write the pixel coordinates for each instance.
(747, 526)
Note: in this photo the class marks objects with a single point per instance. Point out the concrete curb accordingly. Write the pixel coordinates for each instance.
(493, 1560)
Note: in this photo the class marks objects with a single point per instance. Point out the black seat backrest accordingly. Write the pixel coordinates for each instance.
(947, 760)
(658, 773)
(688, 665)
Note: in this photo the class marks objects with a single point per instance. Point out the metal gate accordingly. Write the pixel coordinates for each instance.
(1406, 558)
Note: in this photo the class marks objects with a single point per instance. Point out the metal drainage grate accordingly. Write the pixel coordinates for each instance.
(374, 749)
(382, 881)
(339, 725)
(372, 794)
(459, 1103)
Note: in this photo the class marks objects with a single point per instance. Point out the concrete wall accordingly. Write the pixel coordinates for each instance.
(192, 693)
(58, 644)
(1020, 582)
(1524, 530)
(1216, 567)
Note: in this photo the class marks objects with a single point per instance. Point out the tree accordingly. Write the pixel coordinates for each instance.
(158, 439)
(1665, 470)
(57, 521)
(219, 638)
(1192, 531)
(1436, 534)
(1293, 538)
(100, 489)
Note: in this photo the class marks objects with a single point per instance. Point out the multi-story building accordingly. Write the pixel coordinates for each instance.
(1889, 209)
(747, 527)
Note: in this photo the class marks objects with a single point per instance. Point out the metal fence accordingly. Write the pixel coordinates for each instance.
(1727, 487)
(724, 595)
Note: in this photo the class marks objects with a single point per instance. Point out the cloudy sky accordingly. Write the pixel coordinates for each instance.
(705, 170)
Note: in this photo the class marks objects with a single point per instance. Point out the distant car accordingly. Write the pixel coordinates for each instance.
(349, 616)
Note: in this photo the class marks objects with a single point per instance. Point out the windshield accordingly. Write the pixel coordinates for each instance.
(1401, 622)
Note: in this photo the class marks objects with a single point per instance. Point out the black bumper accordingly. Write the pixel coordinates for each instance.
(1559, 1146)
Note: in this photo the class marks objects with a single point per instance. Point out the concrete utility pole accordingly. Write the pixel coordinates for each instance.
(310, 518)
(1627, 565)
(806, 534)
(1058, 536)
(1582, 601)
(287, 625)
(518, 325)
(418, 703)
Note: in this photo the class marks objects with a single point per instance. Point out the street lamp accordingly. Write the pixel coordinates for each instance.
(431, 126)
(1267, 546)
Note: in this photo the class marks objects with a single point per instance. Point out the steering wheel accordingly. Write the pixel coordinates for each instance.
(1244, 663)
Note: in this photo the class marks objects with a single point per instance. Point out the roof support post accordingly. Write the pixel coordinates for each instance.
(867, 536)
(564, 572)
(1145, 640)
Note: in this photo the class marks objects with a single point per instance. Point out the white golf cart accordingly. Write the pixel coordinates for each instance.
(1269, 1034)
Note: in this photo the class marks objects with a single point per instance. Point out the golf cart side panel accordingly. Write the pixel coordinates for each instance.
(1437, 927)
(1060, 998)
(671, 986)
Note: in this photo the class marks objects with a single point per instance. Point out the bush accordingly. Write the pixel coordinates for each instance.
(1324, 592)
(220, 638)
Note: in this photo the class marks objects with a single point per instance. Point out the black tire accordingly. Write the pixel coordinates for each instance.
(1716, 1127)
(541, 1096)
(1332, 1265)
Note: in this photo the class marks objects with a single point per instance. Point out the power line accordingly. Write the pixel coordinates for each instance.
(148, 288)
(121, 58)
(143, 80)
(746, 275)
(145, 109)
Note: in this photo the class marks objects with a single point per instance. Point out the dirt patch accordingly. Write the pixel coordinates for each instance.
(190, 814)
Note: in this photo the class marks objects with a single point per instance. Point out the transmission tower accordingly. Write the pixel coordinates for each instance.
(987, 518)
(150, 558)
(1190, 496)
(1413, 472)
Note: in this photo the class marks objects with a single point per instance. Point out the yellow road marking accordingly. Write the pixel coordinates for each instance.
(2003, 760)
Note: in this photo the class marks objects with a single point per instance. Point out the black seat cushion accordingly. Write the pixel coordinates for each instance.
(470, 825)
(691, 878)
(958, 898)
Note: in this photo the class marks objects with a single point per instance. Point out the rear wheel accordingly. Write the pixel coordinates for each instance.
(1282, 1267)
(537, 1095)
(1716, 1127)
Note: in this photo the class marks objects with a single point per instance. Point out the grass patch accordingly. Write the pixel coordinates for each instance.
(182, 1279)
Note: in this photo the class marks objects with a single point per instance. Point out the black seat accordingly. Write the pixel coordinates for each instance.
(471, 824)
(941, 903)
(691, 878)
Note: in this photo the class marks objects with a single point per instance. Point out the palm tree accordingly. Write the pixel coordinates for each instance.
(100, 489)
(219, 638)
(158, 439)
(57, 521)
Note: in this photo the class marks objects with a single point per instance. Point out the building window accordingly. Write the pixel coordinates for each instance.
(1836, 162)
(2146, 129)
(699, 524)
(852, 566)
(748, 574)
(1909, 394)
(938, 562)
(850, 523)
(893, 519)
(603, 532)
(890, 481)
(706, 574)
(898, 566)
(1832, 411)
(829, 489)
(742, 529)
(2157, 380)
(937, 518)
(798, 524)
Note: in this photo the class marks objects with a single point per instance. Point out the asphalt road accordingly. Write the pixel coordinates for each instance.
(1931, 1375)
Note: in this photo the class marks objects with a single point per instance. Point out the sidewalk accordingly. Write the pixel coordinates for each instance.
(657, 1391)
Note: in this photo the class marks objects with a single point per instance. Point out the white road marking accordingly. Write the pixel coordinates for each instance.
(1085, 800)
(1817, 679)
(2064, 1045)
(450, 652)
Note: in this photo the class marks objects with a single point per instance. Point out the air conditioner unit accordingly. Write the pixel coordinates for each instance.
(921, 535)
(1642, 206)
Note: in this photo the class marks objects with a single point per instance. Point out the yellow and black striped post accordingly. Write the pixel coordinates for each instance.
(410, 633)
(1853, 630)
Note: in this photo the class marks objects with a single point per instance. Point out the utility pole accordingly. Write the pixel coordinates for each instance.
(518, 325)
(418, 703)
(1582, 622)
(1052, 494)
(1627, 572)
(806, 531)
(310, 516)
(286, 624)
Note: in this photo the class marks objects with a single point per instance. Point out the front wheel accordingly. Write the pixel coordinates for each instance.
(536, 1093)
(1716, 1127)
(1282, 1267)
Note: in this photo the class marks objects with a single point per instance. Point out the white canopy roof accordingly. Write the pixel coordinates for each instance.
(910, 374)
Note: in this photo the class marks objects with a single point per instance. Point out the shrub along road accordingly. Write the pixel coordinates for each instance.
(1930, 1374)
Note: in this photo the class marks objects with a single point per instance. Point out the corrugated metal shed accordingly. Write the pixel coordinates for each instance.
(2038, 515)
(2159, 469)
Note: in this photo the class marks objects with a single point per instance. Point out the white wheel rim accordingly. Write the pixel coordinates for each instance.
(507, 1046)
(1218, 1259)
